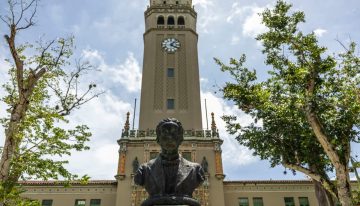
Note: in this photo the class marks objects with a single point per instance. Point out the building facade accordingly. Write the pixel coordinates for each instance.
(171, 88)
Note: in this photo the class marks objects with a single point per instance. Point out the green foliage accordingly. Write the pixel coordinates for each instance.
(41, 92)
(14, 198)
(44, 141)
(42, 130)
(281, 132)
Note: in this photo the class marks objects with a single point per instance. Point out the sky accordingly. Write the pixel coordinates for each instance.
(109, 34)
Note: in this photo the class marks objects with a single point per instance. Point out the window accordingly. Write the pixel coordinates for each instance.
(181, 21)
(177, 2)
(243, 201)
(186, 155)
(153, 155)
(171, 20)
(289, 201)
(164, 2)
(95, 202)
(80, 202)
(160, 20)
(170, 72)
(171, 104)
(46, 202)
(258, 201)
(304, 201)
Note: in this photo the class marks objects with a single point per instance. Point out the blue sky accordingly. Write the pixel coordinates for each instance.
(109, 34)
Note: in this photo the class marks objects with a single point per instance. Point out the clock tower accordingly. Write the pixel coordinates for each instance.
(170, 83)
(170, 89)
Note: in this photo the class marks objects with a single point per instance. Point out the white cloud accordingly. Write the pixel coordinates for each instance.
(208, 16)
(105, 117)
(320, 32)
(203, 3)
(204, 80)
(249, 17)
(235, 40)
(236, 10)
(127, 73)
(252, 25)
(233, 154)
(56, 13)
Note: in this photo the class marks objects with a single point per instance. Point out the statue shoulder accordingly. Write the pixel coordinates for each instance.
(189, 163)
(149, 163)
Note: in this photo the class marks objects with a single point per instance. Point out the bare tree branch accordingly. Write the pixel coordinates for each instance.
(6, 22)
(23, 9)
(29, 22)
(44, 50)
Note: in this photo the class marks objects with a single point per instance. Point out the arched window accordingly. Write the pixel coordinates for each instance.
(181, 21)
(171, 20)
(160, 20)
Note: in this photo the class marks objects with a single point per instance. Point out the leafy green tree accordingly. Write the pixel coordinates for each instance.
(307, 112)
(41, 92)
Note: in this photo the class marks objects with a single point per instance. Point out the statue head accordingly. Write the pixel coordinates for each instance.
(169, 135)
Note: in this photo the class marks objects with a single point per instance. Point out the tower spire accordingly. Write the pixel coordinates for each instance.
(126, 126)
(213, 125)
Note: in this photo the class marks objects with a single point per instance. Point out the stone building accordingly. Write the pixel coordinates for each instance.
(170, 88)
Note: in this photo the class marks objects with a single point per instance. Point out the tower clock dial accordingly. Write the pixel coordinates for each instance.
(170, 45)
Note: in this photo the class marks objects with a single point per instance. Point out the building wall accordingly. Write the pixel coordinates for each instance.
(157, 87)
(272, 192)
(66, 196)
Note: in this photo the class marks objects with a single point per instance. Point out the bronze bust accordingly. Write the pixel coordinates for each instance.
(169, 178)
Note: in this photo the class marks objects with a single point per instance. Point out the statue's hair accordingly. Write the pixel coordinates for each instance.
(170, 121)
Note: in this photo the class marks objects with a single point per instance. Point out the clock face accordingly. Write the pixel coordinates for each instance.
(170, 45)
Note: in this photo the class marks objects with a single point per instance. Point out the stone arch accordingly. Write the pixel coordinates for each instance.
(160, 20)
(181, 20)
(171, 20)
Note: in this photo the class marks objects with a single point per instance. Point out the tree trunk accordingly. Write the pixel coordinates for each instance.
(341, 167)
(343, 185)
(11, 142)
(323, 196)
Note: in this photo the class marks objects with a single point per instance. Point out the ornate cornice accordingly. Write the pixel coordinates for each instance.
(170, 9)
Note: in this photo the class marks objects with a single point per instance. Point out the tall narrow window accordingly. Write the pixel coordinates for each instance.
(289, 201)
(160, 20)
(258, 201)
(79, 202)
(177, 2)
(186, 155)
(164, 2)
(304, 201)
(46, 202)
(171, 104)
(171, 20)
(95, 202)
(170, 72)
(181, 21)
(243, 201)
